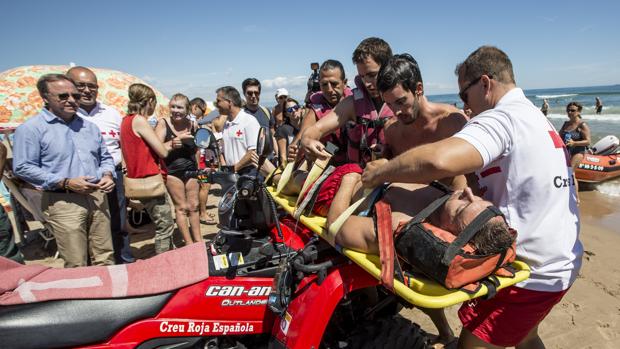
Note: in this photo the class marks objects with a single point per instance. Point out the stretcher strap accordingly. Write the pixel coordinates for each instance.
(334, 228)
(269, 178)
(311, 192)
(318, 167)
(285, 177)
(386, 243)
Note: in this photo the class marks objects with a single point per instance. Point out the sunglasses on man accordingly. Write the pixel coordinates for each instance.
(463, 93)
(63, 97)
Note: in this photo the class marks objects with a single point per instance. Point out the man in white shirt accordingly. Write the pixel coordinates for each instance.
(522, 168)
(108, 120)
(240, 130)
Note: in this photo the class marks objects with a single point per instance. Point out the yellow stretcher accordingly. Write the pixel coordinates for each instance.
(421, 292)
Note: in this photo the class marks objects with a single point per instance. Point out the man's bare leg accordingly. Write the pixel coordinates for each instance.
(357, 233)
(294, 185)
(467, 340)
(438, 316)
(203, 197)
(351, 182)
(531, 341)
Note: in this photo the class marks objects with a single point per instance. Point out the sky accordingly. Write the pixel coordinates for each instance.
(194, 47)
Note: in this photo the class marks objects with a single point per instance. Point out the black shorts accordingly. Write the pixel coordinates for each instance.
(577, 150)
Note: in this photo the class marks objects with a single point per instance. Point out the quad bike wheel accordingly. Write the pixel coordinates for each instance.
(388, 333)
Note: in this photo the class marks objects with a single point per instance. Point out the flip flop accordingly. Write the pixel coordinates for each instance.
(208, 221)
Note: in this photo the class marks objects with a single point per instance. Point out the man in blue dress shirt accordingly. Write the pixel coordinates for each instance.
(63, 155)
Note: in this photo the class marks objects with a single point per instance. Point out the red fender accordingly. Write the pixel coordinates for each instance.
(307, 316)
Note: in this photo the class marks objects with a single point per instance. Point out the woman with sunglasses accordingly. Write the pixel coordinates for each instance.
(289, 127)
(576, 135)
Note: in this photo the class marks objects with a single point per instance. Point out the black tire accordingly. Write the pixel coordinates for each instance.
(389, 333)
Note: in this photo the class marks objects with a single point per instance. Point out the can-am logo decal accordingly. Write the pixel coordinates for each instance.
(238, 291)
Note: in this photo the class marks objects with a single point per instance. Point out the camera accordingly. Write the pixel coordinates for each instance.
(313, 81)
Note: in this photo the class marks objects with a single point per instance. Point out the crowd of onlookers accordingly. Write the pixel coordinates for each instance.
(78, 152)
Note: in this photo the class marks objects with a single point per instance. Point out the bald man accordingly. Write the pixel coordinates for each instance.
(108, 120)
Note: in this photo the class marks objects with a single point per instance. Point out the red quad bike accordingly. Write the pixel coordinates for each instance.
(272, 284)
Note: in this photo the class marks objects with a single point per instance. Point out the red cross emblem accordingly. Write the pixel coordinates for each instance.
(112, 133)
(559, 144)
(239, 133)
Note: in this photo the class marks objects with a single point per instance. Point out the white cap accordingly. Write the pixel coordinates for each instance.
(281, 92)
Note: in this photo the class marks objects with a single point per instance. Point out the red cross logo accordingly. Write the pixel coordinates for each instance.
(559, 144)
(112, 133)
(239, 133)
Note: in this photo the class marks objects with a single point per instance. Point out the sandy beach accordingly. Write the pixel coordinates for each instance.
(587, 317)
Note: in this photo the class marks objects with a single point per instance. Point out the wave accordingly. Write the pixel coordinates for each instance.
(611, 188)
(589, 117)
(556, 96)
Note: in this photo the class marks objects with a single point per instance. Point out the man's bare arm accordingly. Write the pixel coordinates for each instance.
(447, 158)
(343, 112)
(246, 160)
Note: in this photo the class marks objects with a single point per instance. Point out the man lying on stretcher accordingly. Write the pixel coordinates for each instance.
(407, 200)
(343, 187)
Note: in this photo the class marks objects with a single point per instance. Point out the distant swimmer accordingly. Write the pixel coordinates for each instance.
(545, 107)
(599, 105)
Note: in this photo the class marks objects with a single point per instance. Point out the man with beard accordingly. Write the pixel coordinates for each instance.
(418, 121)
(108, 120)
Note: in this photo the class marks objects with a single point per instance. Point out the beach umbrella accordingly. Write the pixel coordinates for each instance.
(210, 107)
(20, 100)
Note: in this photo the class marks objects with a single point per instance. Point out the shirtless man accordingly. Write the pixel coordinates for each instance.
(418, 121)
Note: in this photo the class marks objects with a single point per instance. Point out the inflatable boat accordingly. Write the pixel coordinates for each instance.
(603, 164)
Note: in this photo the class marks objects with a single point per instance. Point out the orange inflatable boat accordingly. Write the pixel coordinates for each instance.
(598, 168)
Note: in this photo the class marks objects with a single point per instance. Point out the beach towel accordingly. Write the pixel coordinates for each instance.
(166, 272)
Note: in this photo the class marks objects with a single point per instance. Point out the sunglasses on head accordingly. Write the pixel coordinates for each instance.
(292, 109)
(65, 96)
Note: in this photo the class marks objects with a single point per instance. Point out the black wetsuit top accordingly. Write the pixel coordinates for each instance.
(181, 159)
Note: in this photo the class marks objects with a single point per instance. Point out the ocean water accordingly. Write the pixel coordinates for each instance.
(606, 123)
